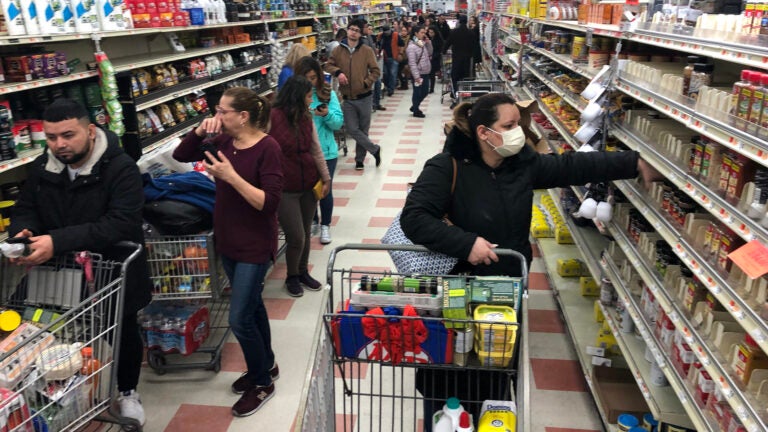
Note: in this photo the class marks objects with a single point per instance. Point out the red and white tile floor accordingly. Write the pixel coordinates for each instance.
(366, 201)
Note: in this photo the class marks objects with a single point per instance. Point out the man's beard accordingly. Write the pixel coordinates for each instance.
(74, 157)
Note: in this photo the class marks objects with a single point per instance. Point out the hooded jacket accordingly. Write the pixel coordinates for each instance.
(495, 203)
(99, 208)
(358, 64)
(326, 126)
(419, 57)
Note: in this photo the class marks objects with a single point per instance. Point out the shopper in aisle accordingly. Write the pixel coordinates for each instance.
(403, 74)
(437, 57)
(442, 25)
(296, 52)
(249, 180)
(354, 64)
(477, 54)
(303, 165)
(419, 52)
(369, 39)
(85, 193)
(328, 117)
(491, 207)
(330, 46)
(390, 44)
(461, 42)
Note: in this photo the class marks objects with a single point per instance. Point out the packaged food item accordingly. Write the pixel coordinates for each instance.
(497, 416)
(569, 267)
(157, 125)
(178, 110)
(165, 115)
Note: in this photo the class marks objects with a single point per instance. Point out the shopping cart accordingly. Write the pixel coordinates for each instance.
(189, 287)
(446, 84)
(341, 139)
(58, 368)
(380, 374)
(469, 90)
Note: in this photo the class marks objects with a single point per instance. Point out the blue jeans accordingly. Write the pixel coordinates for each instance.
(326, 204)
(377, 93)
(419, 92)
(390, 74)
(248, 317)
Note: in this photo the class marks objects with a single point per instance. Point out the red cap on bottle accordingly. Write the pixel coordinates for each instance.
(764, 80)
(464, 420)
(754, 77)
(745, 74)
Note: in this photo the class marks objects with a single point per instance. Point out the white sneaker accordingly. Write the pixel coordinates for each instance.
(130, 406)
(325, 234)
(315, 230)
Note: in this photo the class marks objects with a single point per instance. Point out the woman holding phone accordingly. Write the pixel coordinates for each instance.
(328, 117)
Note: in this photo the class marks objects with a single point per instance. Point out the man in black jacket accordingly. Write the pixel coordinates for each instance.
(85, 193)
(462, 43)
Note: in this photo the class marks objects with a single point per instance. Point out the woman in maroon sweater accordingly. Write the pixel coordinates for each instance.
(303, 164)
(249, 181)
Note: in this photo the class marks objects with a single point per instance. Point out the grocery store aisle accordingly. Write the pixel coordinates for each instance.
(366, 201)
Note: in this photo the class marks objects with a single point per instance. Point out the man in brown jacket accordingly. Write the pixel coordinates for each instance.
(354, 64)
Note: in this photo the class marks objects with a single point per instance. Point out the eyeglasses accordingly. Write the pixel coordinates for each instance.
(220, 110)
(353, 29)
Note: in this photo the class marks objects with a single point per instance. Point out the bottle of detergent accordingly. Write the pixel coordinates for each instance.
(451, 410)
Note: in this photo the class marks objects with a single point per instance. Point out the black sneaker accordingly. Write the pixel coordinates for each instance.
(359, 166)
(379, 108)
(311, 283)
(377, 156)
(244, 382)
(293, 286)
(252, 400)
(419, 114)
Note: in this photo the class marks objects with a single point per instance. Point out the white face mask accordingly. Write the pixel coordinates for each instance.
(513, 141)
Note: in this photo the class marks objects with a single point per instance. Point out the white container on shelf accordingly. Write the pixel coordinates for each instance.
(29, 12)
(14, 20)
(110, 15)
(54, 17)
(86, 17)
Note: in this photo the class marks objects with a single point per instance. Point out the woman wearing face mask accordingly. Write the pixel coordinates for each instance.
(419, 52)
(491, 207)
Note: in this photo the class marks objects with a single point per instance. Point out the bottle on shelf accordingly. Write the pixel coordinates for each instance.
(747, 357)
(90, 367)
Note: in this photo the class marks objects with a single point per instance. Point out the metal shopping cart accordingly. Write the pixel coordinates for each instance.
(381, 363)
(469, 90)
(446, 84)
(58, 368)
(189, 287)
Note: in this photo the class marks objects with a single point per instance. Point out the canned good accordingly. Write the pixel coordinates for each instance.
(579, 51)
(606, 291)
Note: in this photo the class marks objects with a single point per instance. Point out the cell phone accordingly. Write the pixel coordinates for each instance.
(211, 148)
(321, 106)
(18, 240)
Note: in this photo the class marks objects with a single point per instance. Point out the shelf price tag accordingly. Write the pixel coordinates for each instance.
(725, 387)
(703, 356)
(757, 335)
(752, 258)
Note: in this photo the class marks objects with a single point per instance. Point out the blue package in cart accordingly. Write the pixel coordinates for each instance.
(392, 335)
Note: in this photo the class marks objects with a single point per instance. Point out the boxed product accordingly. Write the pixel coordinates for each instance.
(570, 267)
(16, 365)
(618, 392)
(404, 338)
(175, 328)
(589, 286)
(495, 289)
(455, 300)
(498, 336)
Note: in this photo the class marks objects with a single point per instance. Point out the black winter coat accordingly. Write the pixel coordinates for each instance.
(461, 42)
(495, 203)
(101, 207)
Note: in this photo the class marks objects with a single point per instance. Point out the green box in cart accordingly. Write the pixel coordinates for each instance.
(495, 289)
(455, 300)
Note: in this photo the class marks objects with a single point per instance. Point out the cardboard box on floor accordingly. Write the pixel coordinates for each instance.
(526, 107)
(617, 392)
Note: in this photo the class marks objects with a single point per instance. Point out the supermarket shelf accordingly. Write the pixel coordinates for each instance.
(30, 39)
(663, 402)
(298, 36)
(577, 309)
(22, 158)
(725, 212)
(162, 138)
(13, 87)
(564, 133)
(572, 99)
(565, 60)
(145, 60)
(268, 91)
(706, 273)
(206, 83)
(510, 61)
(712, 362)
(666, 403)
(746, 50)
(675, 107)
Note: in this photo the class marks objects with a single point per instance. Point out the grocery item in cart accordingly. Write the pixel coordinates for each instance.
(495, 342)
(403, 338)
(174, 328)
(16, 366)
(14, 411)
(497, 416)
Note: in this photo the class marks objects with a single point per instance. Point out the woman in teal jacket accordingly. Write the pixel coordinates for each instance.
(328, 117)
